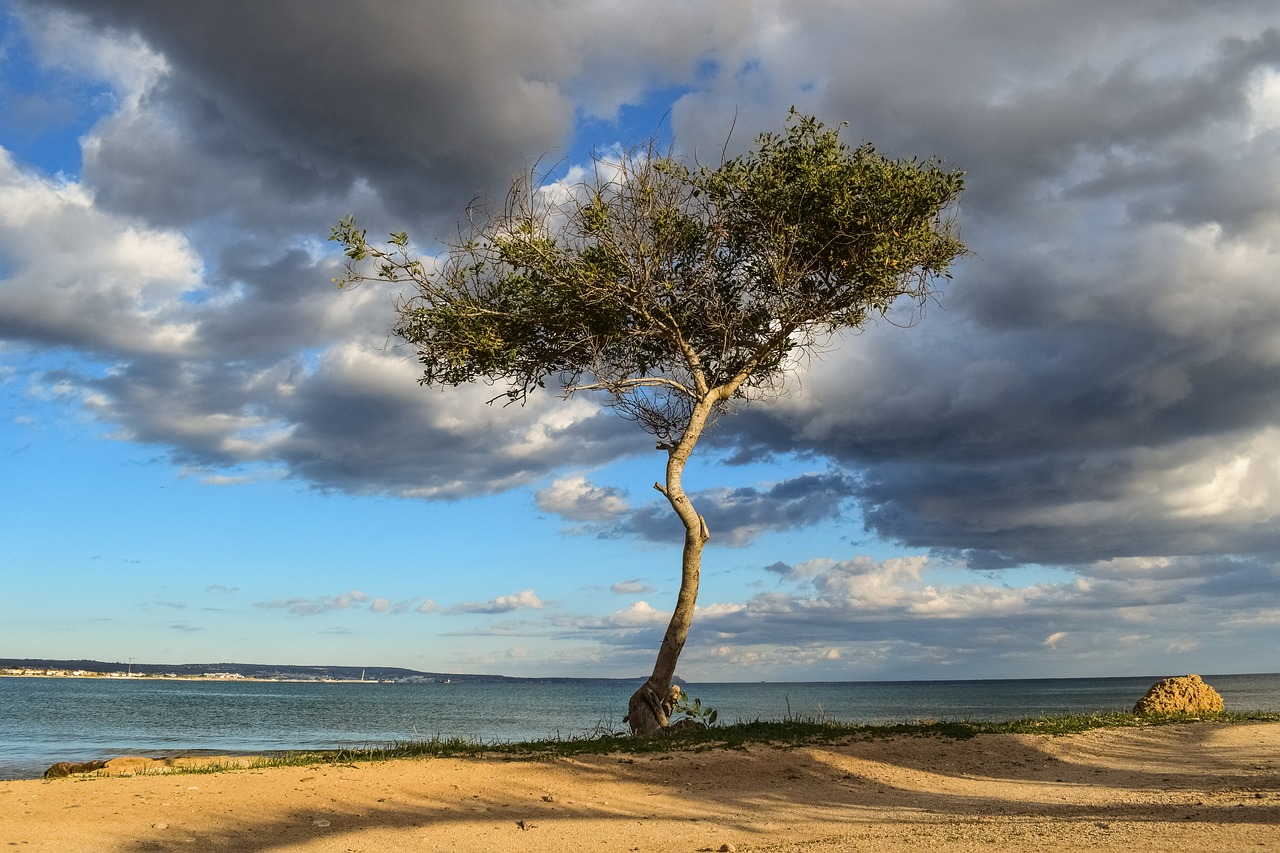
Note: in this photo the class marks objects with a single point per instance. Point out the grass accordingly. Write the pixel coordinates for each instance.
(783, 733)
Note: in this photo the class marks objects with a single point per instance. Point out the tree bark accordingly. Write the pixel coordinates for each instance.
(645, 711)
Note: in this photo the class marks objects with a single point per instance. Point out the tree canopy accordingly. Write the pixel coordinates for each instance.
(674, 288)
(656, 281)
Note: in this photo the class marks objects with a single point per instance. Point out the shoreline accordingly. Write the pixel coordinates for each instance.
(107, 676)
(1188, 786)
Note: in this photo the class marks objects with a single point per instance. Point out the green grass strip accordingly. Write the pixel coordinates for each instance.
(789, 732)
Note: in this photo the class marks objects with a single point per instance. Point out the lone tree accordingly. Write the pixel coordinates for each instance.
(674, 289)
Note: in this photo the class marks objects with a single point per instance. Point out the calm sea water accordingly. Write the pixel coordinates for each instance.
(45, 720)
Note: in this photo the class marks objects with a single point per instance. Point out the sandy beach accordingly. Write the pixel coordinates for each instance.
(1189, 787)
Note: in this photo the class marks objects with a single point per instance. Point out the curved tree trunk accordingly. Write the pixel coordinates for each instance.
(646, 712)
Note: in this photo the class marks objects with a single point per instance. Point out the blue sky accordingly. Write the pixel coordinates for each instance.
(1068, 467)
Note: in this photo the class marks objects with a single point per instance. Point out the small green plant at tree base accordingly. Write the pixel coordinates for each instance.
(693, 710)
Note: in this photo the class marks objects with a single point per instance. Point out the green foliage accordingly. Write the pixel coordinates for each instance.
(693, 710)
(847, 228)
(669, 286)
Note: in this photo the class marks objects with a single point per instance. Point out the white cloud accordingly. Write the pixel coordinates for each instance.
(1053, 639)
(577, 499)
(79, 277)
(863, 584)
(523, 600)
(1230, 482)
(300, 606)
(637, 615)
(67, 41)
(631, 587)
(1264, 102)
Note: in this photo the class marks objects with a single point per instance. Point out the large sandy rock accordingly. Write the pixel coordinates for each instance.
(1186, 694)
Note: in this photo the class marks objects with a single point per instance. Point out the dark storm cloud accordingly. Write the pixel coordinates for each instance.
(345, 424)
(1098, 383)
(735, 517)
(1102, 369)
(429, 102)
(350, 433)
(1067, 436)
(253, 128)
(308, 100)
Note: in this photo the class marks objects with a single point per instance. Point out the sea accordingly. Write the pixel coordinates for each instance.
(46, 720)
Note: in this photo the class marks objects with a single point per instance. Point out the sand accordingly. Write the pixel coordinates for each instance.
(1190, 787)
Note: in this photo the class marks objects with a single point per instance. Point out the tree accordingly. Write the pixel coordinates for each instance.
(674, 289)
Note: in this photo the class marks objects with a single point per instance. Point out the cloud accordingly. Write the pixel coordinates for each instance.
(232, 357)
(735, 516)
(639, 614)
(76, 276)
(523, 600)
(346, 601)
(1101, 380)
(1097, 388)
(576, 499)
(631, 587)
(917, 616)
(313, 606)
(491, 87)
(738, 516)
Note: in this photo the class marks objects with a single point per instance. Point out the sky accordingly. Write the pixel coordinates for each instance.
(1069, 466)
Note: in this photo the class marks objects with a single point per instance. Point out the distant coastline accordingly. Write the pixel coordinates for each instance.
(49, 668)
(173, 676)
(53, 668)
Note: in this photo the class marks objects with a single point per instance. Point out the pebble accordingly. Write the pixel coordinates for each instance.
(320, 823)
(728, 848)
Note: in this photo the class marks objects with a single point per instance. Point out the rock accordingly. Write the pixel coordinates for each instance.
(66, 768)
(1187, 694)
(134, 764)
(684, 725)
(131, 765)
